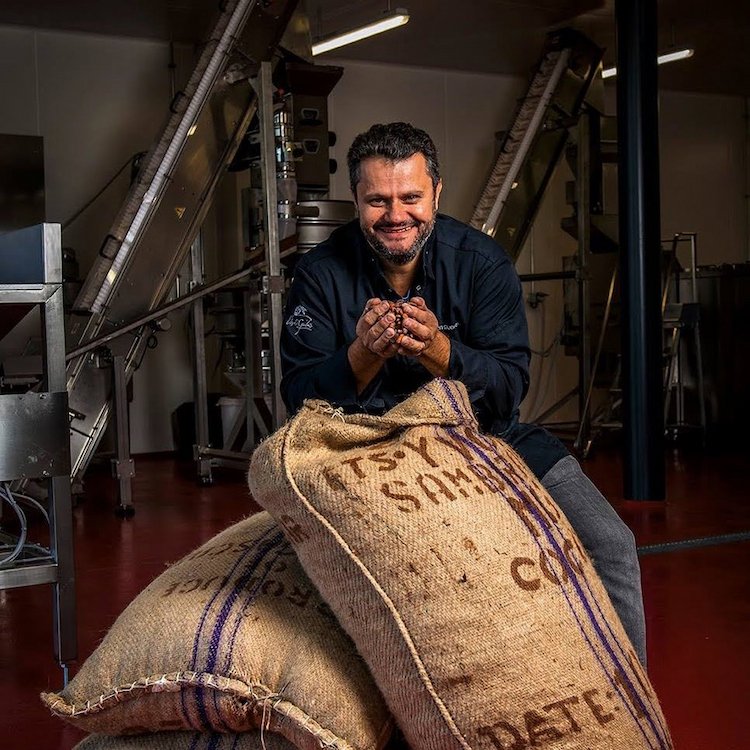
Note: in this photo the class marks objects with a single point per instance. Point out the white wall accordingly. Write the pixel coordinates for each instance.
(460, 111)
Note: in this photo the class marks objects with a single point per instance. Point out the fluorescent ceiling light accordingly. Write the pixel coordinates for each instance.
(679, 54)
(398, 17)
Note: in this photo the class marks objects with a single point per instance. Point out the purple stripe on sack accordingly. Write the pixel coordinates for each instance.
(618, 663)
(438, 402)
(226, 608)
(587, 586)
(448, 389)
(493, 465)
(658, 717)
(526, 486)
(584, 602)
(204, 618)
(282, 546)
(571, 573)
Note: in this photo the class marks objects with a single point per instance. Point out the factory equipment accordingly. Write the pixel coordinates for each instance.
(591, 329)
(723, 293)
(563, 100)
(36, 545)
(316, 219)
(532, 146)
(160, 218)
(34, 440)
(561, 113)
(292, 146)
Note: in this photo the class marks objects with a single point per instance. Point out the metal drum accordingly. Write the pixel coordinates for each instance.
(317, 219)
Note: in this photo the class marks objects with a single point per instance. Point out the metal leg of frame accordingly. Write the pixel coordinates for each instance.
(258, 417)
(64, 590)
(247, 311)
(123, 468)
(583, 209)
(697, 334)
(583, 441)
(275, 282)
(200, 381)
(60, 506)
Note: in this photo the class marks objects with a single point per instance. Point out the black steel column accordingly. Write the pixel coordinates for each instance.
(640, 249)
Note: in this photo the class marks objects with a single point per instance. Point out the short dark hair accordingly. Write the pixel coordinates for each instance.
(395, 141)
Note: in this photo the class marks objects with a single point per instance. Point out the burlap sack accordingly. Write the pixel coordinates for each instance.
(232, 637)
(187, 741)
(464, 588)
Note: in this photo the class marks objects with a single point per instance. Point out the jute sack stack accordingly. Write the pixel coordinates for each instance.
(231, 638)
(458, 578)
(187, 741)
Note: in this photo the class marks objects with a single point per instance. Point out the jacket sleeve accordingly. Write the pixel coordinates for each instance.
(492, 359)
(314, 360)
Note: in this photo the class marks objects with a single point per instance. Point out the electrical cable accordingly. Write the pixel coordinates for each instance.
(543, 391)
(544, 377)
(151, 343)
(544, 353)
(7, 495)
(131, 160)
(31, 501)
(39, 552)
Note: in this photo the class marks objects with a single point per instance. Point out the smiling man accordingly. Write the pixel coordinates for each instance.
(405, 294)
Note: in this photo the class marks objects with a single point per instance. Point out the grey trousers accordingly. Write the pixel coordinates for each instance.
(609, 542)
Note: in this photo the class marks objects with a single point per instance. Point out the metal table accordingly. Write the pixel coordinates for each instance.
(34, 432)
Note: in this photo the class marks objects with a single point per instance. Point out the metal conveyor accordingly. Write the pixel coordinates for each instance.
(535, 141)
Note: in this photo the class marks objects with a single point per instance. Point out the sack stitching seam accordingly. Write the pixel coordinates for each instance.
(421, 669)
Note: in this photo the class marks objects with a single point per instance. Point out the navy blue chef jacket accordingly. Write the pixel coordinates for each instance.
(471, 286)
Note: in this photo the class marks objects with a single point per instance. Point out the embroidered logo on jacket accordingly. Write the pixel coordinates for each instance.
(299, 320)
(446, 327)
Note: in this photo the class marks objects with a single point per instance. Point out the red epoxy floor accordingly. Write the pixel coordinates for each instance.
(697, 600)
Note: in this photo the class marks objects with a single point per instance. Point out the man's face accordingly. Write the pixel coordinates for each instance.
(397, 206)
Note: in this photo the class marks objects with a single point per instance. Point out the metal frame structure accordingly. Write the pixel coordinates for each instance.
(677, 317)
(35, 443)
(123, 466)
(680, 316)
(581, 275)
(530, 150)
(271, 288)
(559, 99)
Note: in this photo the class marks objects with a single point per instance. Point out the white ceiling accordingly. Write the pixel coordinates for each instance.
(495, 36)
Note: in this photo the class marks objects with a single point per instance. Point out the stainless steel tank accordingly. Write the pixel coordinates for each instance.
(316, 220)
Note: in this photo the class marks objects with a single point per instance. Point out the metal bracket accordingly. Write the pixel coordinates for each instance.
(240, 71)
(123, 469)
(272, 285)
(102, 358)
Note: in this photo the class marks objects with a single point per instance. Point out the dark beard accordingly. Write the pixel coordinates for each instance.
(401, 259)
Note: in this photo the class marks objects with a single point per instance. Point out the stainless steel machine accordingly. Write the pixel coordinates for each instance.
(556, 108)
(248, 318)
(34, 438)
(163, 212)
